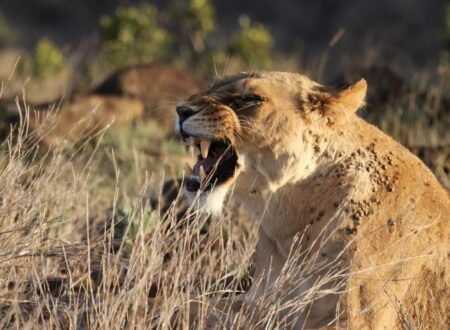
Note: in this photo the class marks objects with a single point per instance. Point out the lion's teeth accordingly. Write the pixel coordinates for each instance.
(186, 141)
(192, 150)
(204, 148)
(202, 174)
(190, 141)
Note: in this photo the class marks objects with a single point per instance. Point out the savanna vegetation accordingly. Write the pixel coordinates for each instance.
(94, 229)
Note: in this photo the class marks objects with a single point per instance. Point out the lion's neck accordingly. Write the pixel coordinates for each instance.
(318, 181)
(315, 152)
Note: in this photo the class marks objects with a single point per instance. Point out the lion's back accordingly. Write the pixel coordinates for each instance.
(401, 263)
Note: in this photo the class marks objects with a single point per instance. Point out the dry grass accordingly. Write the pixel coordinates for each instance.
(82, 250)
(88, 241)
(67, 264)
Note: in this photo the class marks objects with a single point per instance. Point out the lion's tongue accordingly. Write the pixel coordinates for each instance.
(209, 162)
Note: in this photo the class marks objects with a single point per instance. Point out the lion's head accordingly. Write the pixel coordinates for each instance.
(260, 127)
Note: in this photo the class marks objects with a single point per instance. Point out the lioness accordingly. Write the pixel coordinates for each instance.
(323, 183)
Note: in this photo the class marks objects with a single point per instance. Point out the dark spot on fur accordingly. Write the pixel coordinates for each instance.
(301, 104)
(320, 215)
(350, 230)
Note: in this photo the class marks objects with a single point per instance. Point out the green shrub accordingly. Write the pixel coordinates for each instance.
(200, 16)
(132, 35)
(192, 21)
(253, 44)
(139, 35)
(47, 59)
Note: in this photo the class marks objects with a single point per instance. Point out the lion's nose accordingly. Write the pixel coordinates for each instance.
(184, 112)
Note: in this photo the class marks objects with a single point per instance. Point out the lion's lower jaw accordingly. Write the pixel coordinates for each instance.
(210, 202)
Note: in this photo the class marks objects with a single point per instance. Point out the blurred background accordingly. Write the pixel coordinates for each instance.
(401, 34)
(132, 61)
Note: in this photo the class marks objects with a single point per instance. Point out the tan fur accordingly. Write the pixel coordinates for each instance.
(309, 167)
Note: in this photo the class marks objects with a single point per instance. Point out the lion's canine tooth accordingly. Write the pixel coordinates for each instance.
(204, 147)
(192, 150)
(202, 174)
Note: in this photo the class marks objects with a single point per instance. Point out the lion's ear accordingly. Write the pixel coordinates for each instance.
(351, 98)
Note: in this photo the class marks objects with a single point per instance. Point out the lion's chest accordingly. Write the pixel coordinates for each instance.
(305, 211)
(281, 214)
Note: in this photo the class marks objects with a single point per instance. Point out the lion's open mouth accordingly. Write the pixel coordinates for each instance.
(216, 163)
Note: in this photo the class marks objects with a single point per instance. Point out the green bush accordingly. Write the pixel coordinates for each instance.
(138, 35)
(192, 21)
(132, 35)
(253, 43)
(47, 59)
(200, 16)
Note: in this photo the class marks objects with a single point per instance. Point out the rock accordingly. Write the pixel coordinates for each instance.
(46, 89)
(151, 90)
(38, 90)
(9, 58)
(90, 113)
(159, 86)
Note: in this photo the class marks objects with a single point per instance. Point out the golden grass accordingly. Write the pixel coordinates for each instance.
(81, 251)
(63, 265)
(89, 243)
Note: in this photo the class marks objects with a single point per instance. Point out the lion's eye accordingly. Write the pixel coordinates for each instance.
(253, 98)
(239, 103)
